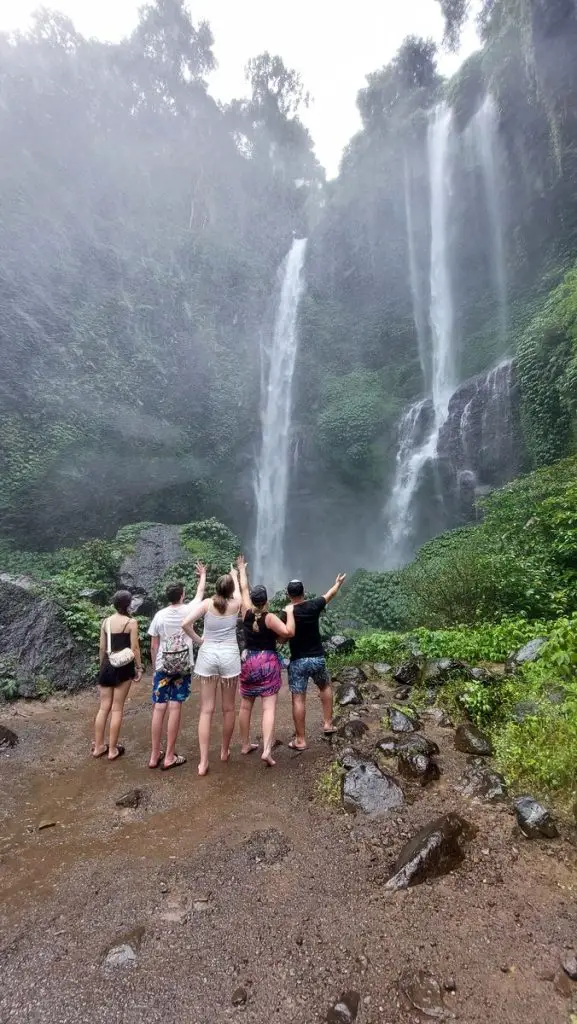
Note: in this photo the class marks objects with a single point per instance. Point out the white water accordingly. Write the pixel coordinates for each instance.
(417, 293)
(484, 130)
(414, 452)
(272, 477)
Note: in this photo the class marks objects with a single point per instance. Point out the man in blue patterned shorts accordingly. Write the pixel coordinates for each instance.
(308, 658)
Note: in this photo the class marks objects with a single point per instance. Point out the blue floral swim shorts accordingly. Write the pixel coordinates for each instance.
(303, 669)
(165, 688)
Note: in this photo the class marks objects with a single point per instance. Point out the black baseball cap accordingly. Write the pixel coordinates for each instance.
(259, 596)
(295, 588)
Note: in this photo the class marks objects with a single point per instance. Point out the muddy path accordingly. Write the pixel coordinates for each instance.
(245, 880)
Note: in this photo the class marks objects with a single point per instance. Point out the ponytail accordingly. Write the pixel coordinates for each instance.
(257, 616)
(223, 592)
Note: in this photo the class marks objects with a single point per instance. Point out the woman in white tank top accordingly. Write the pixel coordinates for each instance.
(218, 661)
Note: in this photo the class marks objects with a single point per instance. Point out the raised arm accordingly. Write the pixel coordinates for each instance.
(277, 625)
(245, 602)
(335, 587)
(234, 573)
(201, 573)
(197, 611)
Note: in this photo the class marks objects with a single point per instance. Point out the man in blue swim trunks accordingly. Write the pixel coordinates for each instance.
(308, 658)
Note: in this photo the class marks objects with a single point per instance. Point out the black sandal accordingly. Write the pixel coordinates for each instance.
(178, 761)
(119, 754)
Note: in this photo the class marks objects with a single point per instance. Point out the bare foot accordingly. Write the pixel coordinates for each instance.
(268, 760)
(203, 768)
(329, 729)
(224, 755)
(250, 749)
(99, 751)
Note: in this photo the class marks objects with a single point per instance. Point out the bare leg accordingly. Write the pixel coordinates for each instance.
(244, 716)
(228, 696)
(268, 725)
(299, 715)
(158, 714)
(326, 695)
(106, 694)
(174, 716)
(120, 693)
(207, 705)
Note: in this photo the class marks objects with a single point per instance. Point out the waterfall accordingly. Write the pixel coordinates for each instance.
(419, 304)
(272, 477)
(484, 132)
(416, 450)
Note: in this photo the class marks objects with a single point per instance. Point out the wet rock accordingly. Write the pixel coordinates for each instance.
(345, 1010)
(388, 746)
(97, 597)
(416, 743)
(424, 993)
(382, 668)
(132, 798)
(35, 641)
(339, 644)
(482, 782)
(418, 766)
(239, 996)
(569, 965)
(534, 820)
(347, 694)
(470, 740)
(524, 709)
(353, 730)
(405, 720)
(351, 674)
(403, 693)
(437, 671)
(7, 738)
(438, 717)
(366, 788)
(123, 951)
(268, 847)
(529, 652)
(156, 549)
(437, 849)
(409, 673)
(349, 758)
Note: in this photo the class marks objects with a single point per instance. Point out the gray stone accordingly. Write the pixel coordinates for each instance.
(7, 738)
(413, 765)
(156, 548)
(438, 717)
(239, 996)
(345, 1010)
(36, 641)
(408, 673)
(131, 799)
(483, 783)
(339, 644)
(424, 993)
(435, 850)
(534, 820)
(354, 729)
(123, 951)
(405, 720)
(351, 674)
(569, 965)
(529, 651)
(440, 670)
(470, 740)
(348, 693)
(416, 743)
(382, 668)
(366, 788)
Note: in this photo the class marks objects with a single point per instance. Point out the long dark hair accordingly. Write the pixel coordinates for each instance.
(223, 592)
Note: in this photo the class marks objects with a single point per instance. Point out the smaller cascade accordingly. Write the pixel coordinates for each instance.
(416, 446)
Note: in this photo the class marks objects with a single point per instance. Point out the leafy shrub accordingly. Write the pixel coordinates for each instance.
(374, 599)
(329, 785)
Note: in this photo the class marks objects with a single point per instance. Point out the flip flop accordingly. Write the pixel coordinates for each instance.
(330, 732)
(120, 750)
(105, 751)
(178, 761)
(160, 759)
(300, 750)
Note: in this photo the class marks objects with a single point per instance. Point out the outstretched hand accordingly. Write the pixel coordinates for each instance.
(200, 568)
(340, 579)
(241, 563)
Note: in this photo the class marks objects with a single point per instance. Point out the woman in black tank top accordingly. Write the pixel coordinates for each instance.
(261, 666)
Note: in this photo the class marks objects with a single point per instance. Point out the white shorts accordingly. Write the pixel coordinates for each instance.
(218, 660)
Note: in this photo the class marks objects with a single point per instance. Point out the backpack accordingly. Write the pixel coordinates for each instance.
(176, 655)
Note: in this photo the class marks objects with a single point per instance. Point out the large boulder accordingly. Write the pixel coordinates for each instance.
(529, 652)
(36, 645)
(366, 788)
(156, 548)
(339, 644)
(437, 849)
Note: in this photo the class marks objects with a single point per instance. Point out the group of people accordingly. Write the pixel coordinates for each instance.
(219, 664)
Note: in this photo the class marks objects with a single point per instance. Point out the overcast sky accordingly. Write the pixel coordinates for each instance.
(333, 51)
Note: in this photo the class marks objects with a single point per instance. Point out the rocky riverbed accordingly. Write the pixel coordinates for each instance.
(244, 895)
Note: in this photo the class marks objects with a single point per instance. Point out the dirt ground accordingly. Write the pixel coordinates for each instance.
(246, 880)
